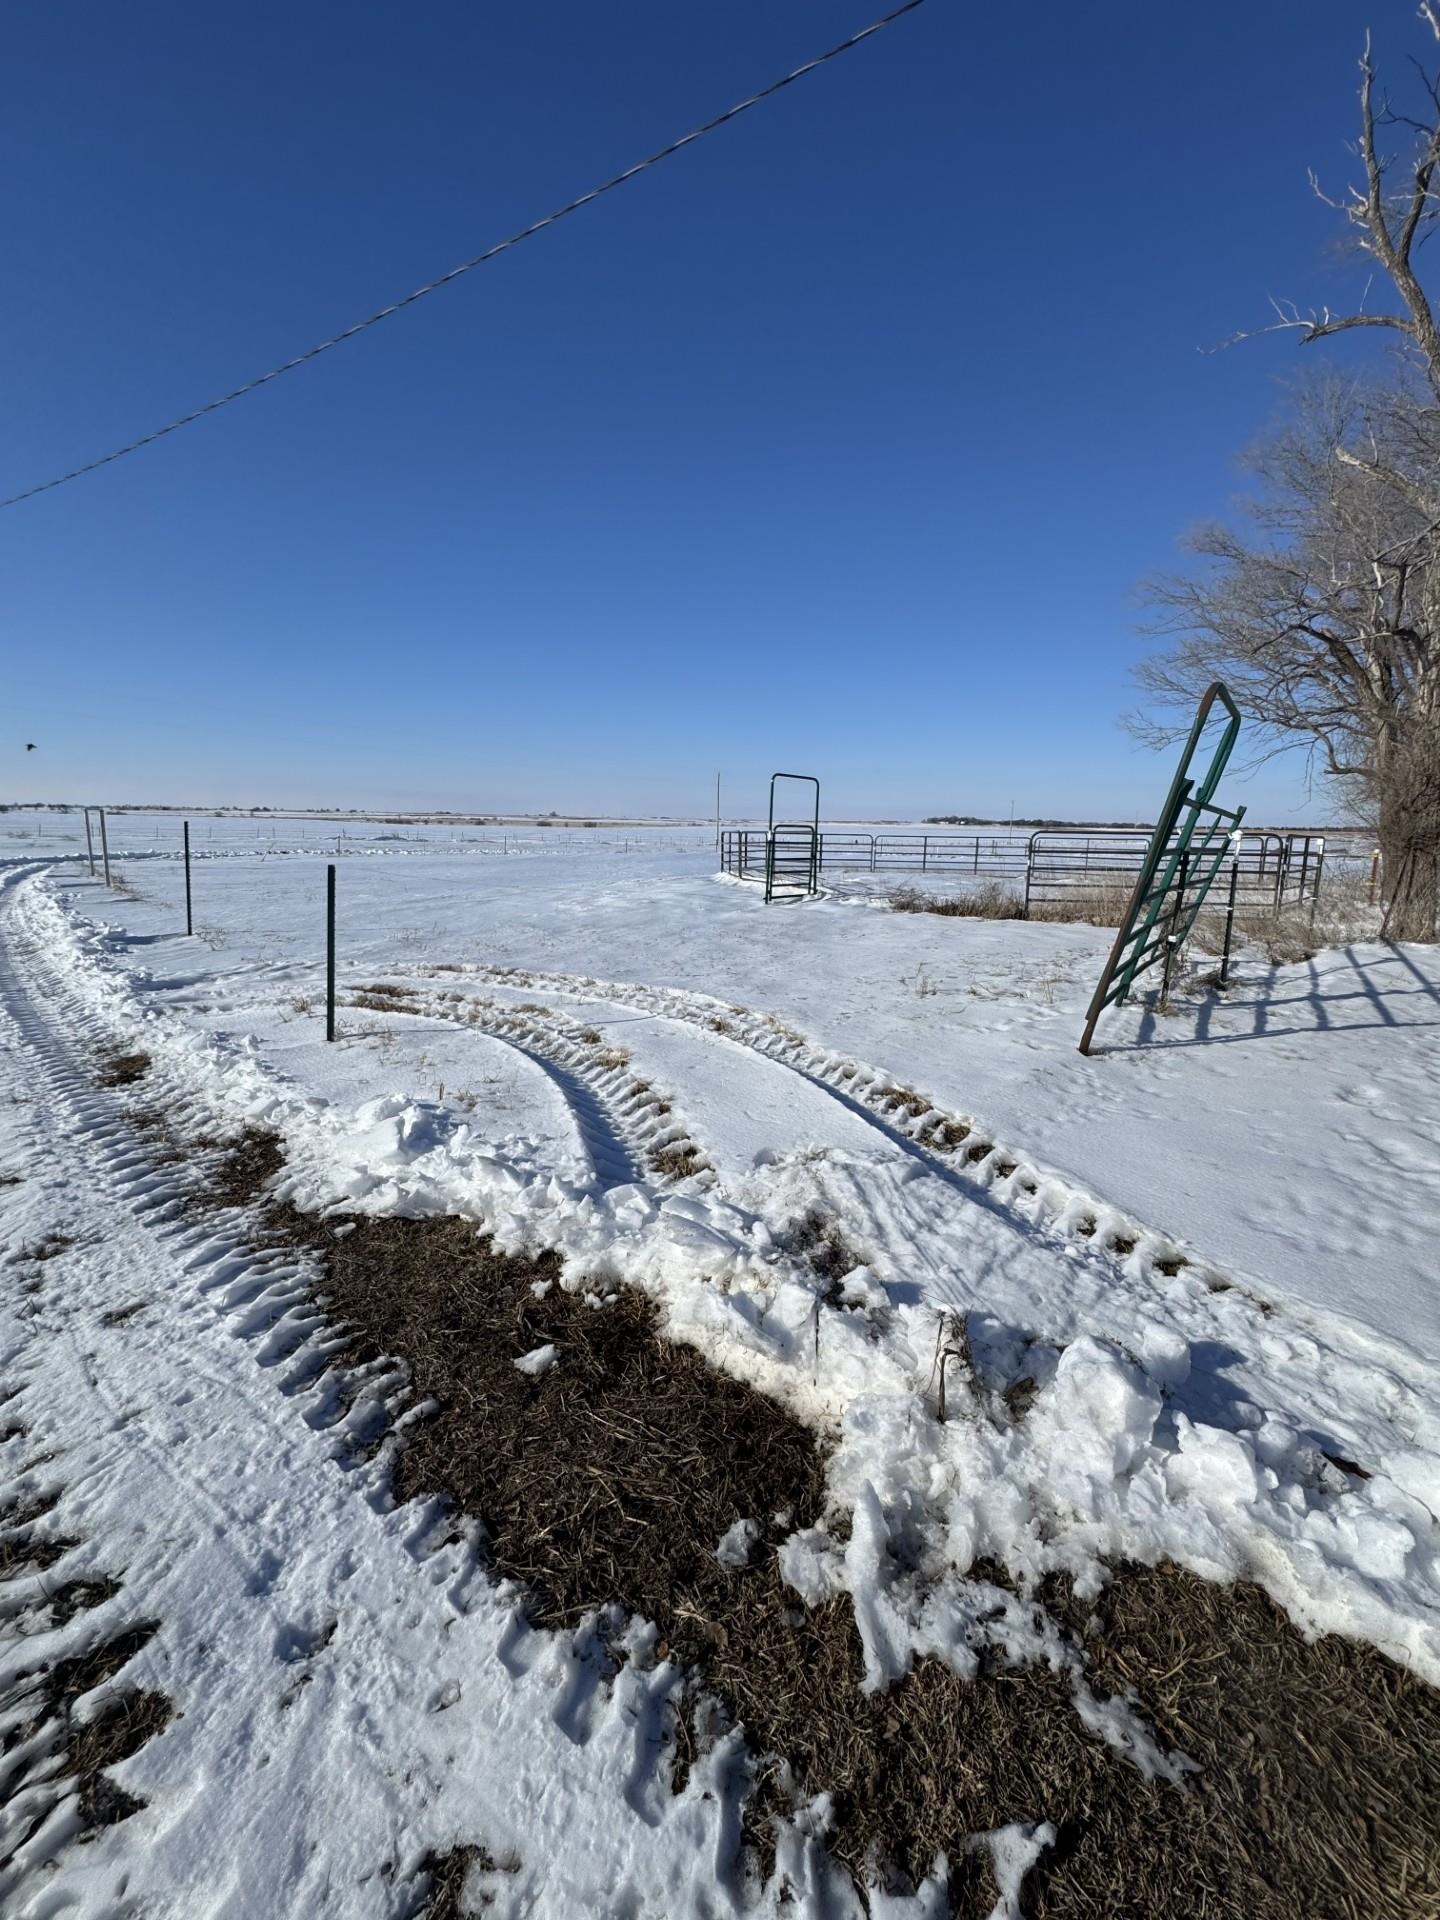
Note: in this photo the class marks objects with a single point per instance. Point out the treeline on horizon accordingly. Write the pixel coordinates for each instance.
(1024, 820)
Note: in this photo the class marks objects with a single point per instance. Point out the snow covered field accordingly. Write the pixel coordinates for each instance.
(1210, 1247)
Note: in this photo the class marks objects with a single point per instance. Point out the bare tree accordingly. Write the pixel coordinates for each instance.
(1326, 617)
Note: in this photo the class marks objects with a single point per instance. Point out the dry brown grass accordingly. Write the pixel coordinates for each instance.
(117, 1316)
(383, 997)
(117, 1727)
(237, 1174)
(48, 1248)
(444, 1876)
(122, 1069)
(1295, 932)
(1320, 1763)
(23, 1550)
(1098, 906)
(1283, 934)
(906, 1100)
(678, 1160)
(1091, 906)
(79, 1596)
(821, 1244)
(991, 900)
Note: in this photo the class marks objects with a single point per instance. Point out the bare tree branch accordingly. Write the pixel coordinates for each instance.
(1324, 617)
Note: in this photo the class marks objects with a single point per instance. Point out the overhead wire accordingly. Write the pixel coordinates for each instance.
(467, 266)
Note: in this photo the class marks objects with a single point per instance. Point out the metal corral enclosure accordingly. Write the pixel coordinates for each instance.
(1049, 867)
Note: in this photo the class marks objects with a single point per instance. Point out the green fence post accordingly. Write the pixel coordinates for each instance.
(1229, 918)
(330, 953)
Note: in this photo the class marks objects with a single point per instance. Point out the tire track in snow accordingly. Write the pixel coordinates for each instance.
(1304, 1347)
(157, 1429)
(623, 1120)
(265, 1293)
(986, 1171)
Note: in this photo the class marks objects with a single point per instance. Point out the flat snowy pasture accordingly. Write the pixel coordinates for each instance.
(1203, 1259)
(1287, 1131)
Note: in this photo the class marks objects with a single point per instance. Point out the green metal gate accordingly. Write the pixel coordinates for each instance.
(792, 848)
(1180, 863)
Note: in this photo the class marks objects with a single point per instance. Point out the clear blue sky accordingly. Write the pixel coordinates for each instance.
(839, 441)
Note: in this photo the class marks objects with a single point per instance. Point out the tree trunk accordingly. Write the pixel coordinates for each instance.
(1409, 797)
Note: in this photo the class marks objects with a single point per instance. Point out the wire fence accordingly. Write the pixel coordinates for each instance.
(143, 837)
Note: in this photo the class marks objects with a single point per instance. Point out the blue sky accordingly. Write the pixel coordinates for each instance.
(840, 441)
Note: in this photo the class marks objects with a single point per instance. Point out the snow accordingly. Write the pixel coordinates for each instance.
(737, 1543)
(539, 1360)
(1259, 1131)
(1206, 1255)
(1014, 1850)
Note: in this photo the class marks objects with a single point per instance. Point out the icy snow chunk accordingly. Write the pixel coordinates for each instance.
(1383, 1546)
(1418, 1474)
(810, 1562)
(1164, 1353)
(1374, 1544)
(859, 1288)
(1215, 1467)
(1101, 1410)
(1013, 1852)
(1277, 1445)
(539, 1360)
(885, 1636)
(737, 1544)
(1117, 1723)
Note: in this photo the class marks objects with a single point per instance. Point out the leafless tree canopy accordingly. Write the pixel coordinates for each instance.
(1323, 613)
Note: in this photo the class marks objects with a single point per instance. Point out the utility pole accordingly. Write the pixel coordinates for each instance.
(717, 812)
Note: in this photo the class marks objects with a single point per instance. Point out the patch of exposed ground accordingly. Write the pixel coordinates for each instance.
(445, 1875)
(117, 1316)
(50, 1247)
(1320, 1762)
(23, 1549)
(990, 900)
(122, 1069)
(677, 1161)
(821, 1244)
(84, 1743)
(610, 1477)
(237, 1174)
